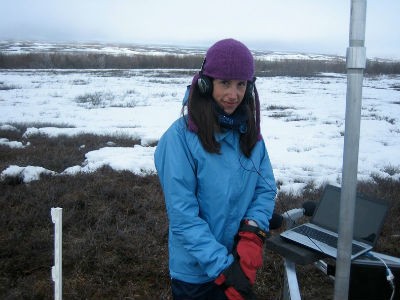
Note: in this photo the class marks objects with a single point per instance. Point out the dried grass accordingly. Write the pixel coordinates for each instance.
(115, 230)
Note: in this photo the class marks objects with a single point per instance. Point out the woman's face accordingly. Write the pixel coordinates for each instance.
(228, 93)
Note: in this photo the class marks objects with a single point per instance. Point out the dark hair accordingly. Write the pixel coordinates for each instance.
(202, 113)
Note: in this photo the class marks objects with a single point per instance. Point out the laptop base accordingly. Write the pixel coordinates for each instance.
(298, 254)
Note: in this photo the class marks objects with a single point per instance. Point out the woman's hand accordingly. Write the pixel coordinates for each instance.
(249, 249)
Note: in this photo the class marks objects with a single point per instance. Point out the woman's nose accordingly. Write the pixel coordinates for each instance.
(233, 92)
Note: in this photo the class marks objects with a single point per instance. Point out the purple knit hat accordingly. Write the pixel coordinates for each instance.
(229, 59)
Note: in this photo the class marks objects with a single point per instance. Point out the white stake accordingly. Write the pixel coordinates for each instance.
(56, 270)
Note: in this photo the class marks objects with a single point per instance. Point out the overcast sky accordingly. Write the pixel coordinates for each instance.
(316, 26)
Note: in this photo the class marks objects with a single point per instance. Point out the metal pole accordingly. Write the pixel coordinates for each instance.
(291, 290)
(56, 270)
(356, 59)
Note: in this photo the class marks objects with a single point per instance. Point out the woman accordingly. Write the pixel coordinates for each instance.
(217, 180)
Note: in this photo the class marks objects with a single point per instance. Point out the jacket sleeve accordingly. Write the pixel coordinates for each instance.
(263, 203)
(177, 172)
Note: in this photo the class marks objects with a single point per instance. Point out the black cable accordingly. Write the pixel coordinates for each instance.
(276, 193)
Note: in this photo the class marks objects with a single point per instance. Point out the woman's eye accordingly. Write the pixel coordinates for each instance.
(242, 84)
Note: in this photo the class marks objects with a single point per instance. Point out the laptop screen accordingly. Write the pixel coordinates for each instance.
(368, 219)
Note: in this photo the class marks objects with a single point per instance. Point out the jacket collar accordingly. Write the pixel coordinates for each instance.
(229, 136)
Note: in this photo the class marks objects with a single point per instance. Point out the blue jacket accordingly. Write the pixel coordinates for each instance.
(207, 195)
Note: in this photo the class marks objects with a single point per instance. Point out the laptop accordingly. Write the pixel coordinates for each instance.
(321, 233)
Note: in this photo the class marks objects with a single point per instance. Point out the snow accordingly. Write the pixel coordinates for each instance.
(11, 144)
(138, 160)
(303, 119)
(27, 174)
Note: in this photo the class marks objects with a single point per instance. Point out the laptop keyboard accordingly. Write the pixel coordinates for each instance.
(323, 237)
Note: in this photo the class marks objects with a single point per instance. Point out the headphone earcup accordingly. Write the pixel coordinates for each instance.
(205, 85)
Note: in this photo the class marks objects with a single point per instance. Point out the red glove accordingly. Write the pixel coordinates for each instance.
(250, 250)
(235, 283)
(230, 292)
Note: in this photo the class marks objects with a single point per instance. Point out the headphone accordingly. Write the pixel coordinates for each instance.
(205, 85)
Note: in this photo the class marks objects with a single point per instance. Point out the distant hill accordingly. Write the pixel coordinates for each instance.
(25, 47)
(44, 55)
